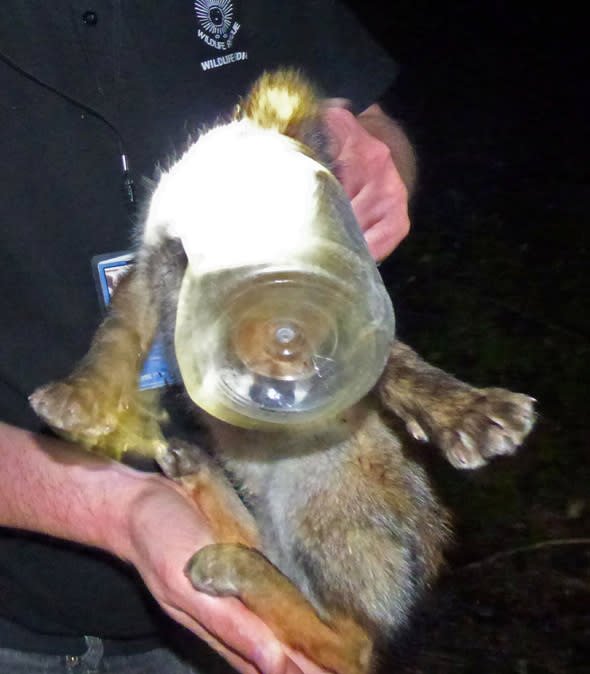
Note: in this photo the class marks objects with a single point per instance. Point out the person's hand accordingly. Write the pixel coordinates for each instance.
(164, 530)
(49, 487)
(371, 180)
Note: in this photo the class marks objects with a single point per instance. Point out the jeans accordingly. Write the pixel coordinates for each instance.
(93, 661)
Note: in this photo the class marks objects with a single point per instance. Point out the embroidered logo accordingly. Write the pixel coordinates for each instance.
(217, 27)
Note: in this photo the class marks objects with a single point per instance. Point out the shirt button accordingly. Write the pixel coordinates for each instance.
(90, 17)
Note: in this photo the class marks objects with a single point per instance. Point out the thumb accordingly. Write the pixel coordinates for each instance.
(340, 125)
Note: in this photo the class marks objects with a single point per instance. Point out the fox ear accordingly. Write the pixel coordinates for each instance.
(283, 100)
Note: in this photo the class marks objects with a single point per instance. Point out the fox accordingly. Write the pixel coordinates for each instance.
(330, 532)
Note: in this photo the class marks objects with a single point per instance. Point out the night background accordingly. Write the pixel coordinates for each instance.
(492, 286)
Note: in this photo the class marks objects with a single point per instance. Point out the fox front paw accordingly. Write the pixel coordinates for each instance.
(100, 419)
(74, 408)
(490, 422)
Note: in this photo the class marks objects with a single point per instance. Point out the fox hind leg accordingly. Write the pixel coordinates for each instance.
(339, 644)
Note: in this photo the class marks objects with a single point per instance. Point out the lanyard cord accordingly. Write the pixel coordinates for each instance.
(127, 180)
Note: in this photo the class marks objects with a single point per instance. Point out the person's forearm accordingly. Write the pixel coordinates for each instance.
(46, 486)
(388, 131)
(49, 487)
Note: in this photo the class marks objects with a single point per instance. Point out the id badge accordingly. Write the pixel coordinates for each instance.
(108, 270)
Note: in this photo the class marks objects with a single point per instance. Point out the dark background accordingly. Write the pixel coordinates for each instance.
(492, 285)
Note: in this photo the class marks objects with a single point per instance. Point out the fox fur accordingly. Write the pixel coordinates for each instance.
(329, 533)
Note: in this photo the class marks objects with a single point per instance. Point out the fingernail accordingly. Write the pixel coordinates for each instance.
(292, 668)
(336, 103)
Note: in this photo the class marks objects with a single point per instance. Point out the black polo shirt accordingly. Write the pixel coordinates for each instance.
(157, 72)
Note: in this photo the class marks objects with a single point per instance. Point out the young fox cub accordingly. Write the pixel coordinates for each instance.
(335, 531)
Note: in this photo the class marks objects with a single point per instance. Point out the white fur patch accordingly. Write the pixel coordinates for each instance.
(240, 195)
(278, 99)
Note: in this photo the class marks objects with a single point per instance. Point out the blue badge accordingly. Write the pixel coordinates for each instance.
(108, 270)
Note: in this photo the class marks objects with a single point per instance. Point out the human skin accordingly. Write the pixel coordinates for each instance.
(375, 162)
(50, 487)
